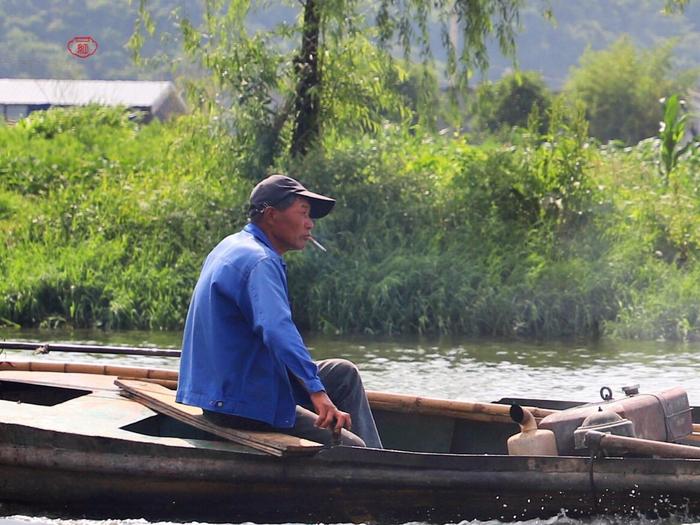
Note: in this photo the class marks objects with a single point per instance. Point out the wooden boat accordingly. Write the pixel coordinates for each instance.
(71, 444)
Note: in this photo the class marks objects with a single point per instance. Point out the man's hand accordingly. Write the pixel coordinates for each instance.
(328, 414)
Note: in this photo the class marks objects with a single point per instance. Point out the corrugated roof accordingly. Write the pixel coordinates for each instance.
(131, 93)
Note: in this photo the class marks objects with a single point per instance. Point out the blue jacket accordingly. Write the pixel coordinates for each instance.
(241, 352)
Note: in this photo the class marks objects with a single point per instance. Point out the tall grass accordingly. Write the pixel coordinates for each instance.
(105, 222)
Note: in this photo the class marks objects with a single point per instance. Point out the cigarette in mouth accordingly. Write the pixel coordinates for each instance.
(317, 244)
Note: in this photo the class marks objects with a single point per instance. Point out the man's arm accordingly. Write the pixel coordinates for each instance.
(272, 319)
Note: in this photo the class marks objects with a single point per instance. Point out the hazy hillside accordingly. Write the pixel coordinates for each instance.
(553, 48)
(33, 35)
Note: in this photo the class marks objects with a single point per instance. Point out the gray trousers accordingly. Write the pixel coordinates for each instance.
(344, 386)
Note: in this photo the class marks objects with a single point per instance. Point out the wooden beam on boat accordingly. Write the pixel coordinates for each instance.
(162, 400)
(443, 407)
(616, 445)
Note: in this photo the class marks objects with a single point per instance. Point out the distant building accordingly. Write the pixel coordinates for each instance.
(19, 96)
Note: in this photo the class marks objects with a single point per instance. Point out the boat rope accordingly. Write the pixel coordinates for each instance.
(591, 461)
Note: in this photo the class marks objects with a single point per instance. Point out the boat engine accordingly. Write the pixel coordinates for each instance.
(665, 416)
(605, 421)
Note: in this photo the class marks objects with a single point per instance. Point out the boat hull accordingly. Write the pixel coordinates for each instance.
(78, 476)
(71, 446)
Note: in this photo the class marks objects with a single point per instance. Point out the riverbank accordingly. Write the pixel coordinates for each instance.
(105, 223)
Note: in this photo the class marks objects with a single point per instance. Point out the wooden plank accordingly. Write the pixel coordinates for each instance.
(162, 400)
(87, 382)
(170, 385)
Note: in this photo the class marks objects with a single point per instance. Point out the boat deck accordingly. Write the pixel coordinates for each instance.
(91, 405)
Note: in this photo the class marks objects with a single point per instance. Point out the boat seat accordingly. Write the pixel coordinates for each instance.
(162, 400)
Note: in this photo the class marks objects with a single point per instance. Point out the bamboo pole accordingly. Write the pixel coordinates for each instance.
(89, 368)
(45, 348)
(391, 402)
(378, 400)
(493, 412)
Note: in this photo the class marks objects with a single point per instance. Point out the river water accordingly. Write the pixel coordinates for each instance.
(483, 370)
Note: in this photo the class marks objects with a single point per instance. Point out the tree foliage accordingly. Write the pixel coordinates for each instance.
(510, 101)
(104, 222)
(283, 86)
(621, 88)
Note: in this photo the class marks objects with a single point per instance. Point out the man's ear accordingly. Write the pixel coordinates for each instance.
(269, 214)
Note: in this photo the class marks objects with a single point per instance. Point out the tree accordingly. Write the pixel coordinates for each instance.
(510, 101)
(307, 102)
(621, 88)
(280, 82)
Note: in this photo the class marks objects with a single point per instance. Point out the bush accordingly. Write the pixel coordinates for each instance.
(510, 101)
(621, 88)
(105, 222)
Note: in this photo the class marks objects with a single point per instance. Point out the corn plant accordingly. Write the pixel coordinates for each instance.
(672, 133)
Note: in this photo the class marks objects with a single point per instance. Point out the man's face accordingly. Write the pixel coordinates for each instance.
(290, 229)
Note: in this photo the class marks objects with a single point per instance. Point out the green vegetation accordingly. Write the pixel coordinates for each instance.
(673, 135)
(34, 34)
(105, 222)
(537, 230)
(498, 106)
(330, 69)
(621, 86)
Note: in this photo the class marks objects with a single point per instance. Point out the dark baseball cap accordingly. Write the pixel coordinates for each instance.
(275, 188)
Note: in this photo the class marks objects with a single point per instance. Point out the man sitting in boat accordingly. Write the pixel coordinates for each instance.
(243, 360)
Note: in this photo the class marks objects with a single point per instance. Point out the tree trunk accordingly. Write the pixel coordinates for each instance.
(307, 104)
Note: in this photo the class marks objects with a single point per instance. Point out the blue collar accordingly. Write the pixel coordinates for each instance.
(257, 232)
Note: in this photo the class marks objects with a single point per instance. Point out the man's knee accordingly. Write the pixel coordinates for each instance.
(340, 377)
(338, 368)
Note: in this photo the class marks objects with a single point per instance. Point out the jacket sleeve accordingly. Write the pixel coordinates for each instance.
(272, 320)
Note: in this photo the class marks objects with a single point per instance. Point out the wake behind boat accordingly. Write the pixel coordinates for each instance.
(73, 444)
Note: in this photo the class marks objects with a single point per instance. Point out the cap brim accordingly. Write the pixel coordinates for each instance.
(320, 204)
